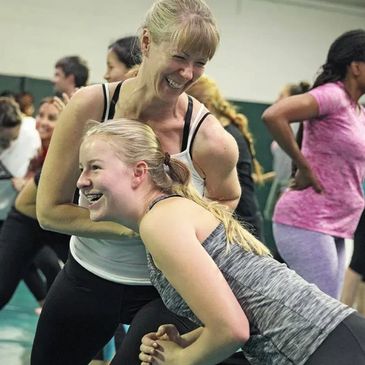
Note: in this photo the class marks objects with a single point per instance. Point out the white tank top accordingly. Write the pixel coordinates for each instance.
(124, 261)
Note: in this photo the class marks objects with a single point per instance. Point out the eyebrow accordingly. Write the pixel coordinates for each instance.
(95, 160)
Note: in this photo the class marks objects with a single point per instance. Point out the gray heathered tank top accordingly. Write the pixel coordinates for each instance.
(289, 318)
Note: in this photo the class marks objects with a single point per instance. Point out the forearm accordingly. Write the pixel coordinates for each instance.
(28, 210)
(209, 348)
(74, 220)
(190, 337)
(283, 135)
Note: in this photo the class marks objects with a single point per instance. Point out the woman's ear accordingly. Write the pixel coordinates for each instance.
(355, 68)
(140, 172)
(146, 42)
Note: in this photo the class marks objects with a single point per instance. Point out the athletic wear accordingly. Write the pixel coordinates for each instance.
(124, 260)
(288, 317)
(334, 146)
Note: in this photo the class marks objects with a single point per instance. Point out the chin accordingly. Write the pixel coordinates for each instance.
(97, 217)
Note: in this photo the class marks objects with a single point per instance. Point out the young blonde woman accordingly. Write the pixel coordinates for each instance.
(107, 269)
(206, 266)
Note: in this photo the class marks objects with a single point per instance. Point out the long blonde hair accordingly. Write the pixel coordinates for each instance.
(135, 141)
(206, 91)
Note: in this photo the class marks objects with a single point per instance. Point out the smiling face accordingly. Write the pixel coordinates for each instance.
(46, 121)
(105, 181)
(116, 70)
(169, 70)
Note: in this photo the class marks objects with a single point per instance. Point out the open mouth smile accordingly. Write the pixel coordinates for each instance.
(174, 84)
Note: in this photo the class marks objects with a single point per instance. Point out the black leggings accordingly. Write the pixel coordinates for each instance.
(21, 239)
(345, 345)
(47, 262)
(82, 312)
(358, 257)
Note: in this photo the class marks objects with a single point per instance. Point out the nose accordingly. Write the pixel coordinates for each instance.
(83, 181)
(187, 72)
(106, 76)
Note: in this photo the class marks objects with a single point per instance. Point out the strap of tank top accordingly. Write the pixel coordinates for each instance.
(161, 197)
(195, 127)
(114, 101)
(106, 102)
(186, 130)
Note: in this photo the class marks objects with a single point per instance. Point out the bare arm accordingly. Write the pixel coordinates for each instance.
(57, 185)
(277, 119)
(226, 327)
(216, 153)
(25, 201)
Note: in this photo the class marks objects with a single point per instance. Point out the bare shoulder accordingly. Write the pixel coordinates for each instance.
(170, 213)
(214, 142)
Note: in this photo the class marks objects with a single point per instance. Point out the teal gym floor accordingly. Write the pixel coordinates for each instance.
(17, 326)
(18, 322)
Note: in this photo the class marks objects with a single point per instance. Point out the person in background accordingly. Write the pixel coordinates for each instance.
(19, 144)
(282, 163)
(248, 168)
(26, 103)
(123, 55)
(70, 74)
(324, 203)
(23, 244)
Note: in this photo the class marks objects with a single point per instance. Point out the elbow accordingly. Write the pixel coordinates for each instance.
(44, 222)
(44, 218)
(269, 115)
(240, 335)
(237, 334)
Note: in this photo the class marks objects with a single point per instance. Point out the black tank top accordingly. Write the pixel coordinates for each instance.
(187, 119)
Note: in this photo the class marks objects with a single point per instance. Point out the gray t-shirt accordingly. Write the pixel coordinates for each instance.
(289, 318)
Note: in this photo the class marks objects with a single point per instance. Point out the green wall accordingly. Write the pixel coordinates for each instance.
(263, 139)
(37, 87)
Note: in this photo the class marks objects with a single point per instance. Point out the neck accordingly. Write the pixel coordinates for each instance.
(146, 201)
(70, 90)
(145, 104)
(352, 89)
(45, 144)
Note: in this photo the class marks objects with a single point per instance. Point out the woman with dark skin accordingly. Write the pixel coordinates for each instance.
(323, 205)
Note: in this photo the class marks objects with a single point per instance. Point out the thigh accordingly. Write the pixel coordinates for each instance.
(35, 283)
(345, 345)
(80, 315)
(18, 246)
(312, 255)
(47, 262)
(148, 319)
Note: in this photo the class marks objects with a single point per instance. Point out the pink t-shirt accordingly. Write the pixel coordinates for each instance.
(334, 145)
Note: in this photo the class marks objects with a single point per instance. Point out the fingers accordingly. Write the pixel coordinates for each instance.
(318, 188)
(58, 103)
(66, 98)
(168, 329)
